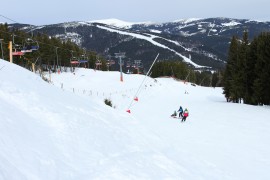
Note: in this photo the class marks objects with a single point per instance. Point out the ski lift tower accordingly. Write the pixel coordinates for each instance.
(120, 55)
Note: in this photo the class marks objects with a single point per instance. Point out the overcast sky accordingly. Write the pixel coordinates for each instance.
(56, 11)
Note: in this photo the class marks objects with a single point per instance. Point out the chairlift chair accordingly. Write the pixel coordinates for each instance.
(83, 61)
(74, 61)
(17, 53)
(17, 50)
(128, 64)
(112, 62)
(30, 46)
(98, 64)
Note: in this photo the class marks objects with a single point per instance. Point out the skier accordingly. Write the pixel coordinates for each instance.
(180, 112)
(174, 114)
(185, 115)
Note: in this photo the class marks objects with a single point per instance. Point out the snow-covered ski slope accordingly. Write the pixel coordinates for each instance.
(49, 132)
(150, 38)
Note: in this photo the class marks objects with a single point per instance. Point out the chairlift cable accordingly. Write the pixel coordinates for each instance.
(36, 41)
(26, 32)
(32, 29)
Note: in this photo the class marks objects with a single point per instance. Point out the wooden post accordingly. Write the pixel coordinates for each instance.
(33, 67)
(10, 52)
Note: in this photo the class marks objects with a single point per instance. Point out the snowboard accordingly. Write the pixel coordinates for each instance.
(176, 117)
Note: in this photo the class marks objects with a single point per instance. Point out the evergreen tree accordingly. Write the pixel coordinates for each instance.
(214, 80)
(229, 74)
(262, 70)
(247, 74)
(250, 72)
(242, 67)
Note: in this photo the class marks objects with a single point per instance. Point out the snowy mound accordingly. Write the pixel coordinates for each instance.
(47, 133)
(189, 20)
(118, 23)
(64, 130)
(114, 22)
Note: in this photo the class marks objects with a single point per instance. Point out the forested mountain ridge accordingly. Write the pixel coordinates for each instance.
(202, 42)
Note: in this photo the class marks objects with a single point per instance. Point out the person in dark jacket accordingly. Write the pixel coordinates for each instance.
(180, 112)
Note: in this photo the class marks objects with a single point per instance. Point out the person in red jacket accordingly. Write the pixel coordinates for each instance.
(185, 115)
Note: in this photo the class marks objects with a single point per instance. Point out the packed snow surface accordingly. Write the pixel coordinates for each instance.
(63, 130)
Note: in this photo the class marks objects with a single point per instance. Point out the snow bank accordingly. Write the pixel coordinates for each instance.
(52, 133)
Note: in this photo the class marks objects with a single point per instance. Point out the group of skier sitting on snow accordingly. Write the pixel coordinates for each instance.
(182, 114)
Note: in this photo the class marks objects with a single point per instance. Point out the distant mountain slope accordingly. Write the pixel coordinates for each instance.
(199, 42)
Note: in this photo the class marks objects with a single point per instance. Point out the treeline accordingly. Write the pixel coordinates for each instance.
(247, 74)
(180, 70)
(52, 52)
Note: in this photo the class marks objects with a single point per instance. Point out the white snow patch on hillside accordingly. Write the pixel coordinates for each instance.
(232, 23)
(187, 34)
(155, 31)
(32, 28)
(213, 30)
(189, 20)
(258, 21)
(74, 37)
(117, 23)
